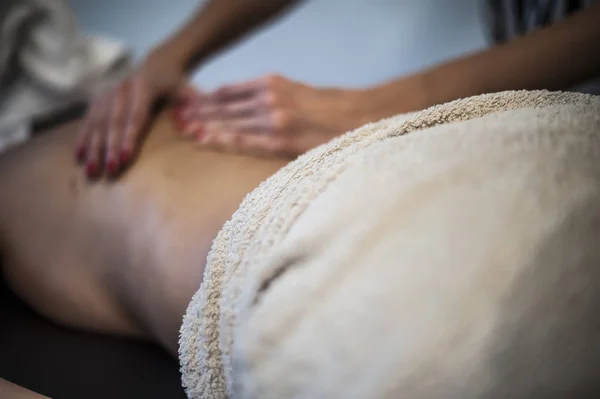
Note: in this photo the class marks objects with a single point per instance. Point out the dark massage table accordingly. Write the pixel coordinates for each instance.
(65, 364)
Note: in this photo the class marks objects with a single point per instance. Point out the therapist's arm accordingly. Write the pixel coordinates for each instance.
(554, 58)
(303, 116)
(216, 25)
(112, 131)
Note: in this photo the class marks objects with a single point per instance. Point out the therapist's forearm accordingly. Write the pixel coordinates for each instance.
(216, 25)
(554, 58)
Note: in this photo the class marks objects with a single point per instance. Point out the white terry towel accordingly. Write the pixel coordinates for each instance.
(449, 254)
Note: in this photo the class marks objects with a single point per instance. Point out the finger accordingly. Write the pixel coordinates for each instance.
(262, 101)
(208, 107)
(232, 100)
(115, 128)
(93, 166)
(87, 127)
(226, 110)
(242, 89)
(96, 132)
(185, 124)
(277, 122)
(83, 136)
(185, 120)
(255, 124)
(177, 119)
(96, 141)
(137, 117)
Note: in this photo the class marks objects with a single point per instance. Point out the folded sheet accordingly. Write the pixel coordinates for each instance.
(49, 64)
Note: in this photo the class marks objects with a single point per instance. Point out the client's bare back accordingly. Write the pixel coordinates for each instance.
(122, 256)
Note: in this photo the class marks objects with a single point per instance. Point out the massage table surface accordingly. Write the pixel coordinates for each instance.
(65, 364)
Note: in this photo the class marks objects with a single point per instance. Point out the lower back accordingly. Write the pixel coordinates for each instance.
(120, 256)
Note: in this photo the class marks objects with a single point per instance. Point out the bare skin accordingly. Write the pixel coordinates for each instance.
(121, 257)
(274, 115)
(12, 391)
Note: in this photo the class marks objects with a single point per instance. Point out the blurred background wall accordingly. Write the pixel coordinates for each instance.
(330, 42)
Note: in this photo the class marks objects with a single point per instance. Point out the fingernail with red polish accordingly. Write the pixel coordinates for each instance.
(91, 170)
(179, 122)
(112, 167)
(80, 154)
(200, 133)
(125, 156)
(181, 125)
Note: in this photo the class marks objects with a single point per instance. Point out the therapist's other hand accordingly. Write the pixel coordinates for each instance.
(271, 115)
(112, 129)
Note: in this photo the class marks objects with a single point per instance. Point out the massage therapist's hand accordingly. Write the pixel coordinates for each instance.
(115, 122)
(273, 115)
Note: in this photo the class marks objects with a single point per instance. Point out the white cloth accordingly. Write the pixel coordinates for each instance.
(47, 63)
(449, 254)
